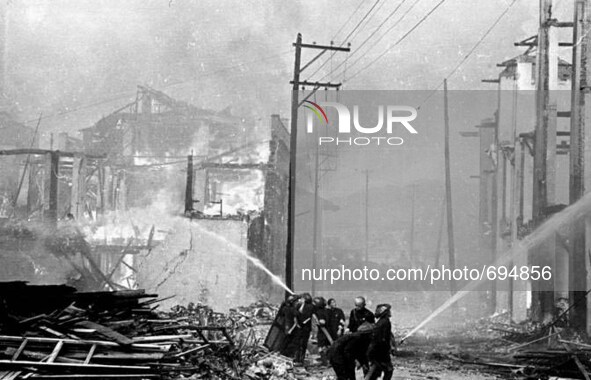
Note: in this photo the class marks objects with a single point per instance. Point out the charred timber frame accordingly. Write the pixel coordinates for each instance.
(54, 173)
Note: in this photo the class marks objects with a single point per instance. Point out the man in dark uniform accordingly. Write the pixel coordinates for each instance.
(304, 319)
(378, 352)
(336, 319)
(290, 325)
(359, 315)
(350, 348)
(322, 335)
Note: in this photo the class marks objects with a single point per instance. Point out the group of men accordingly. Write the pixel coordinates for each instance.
(366, 341)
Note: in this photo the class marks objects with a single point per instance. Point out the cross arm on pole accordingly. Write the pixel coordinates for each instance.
(324, 47)
(318, 84)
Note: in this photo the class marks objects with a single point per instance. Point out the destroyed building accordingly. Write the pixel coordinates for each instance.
(14, 136)
(219, 182)
(154, 191)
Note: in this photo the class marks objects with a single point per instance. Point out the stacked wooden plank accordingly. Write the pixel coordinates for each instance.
(56, 332)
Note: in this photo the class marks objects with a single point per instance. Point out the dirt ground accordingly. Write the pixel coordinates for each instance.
(409, 366)
(421, 359)
(432, 353)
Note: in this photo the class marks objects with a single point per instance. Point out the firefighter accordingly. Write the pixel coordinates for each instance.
(290, 326)
(322, 335)
(359, 315)
(304, 314)
(336, 319)
(348, 349)
(378, 352)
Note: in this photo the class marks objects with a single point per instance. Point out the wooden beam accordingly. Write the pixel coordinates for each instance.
(55, 352)
(189, 185)
(78, 189)
(53, 188)
(34, 151)
(24, 364)
(145, 346)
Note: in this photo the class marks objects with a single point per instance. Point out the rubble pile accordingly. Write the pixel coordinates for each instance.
(55, 332)
(524, 351)
(259, 313)
(505, 349)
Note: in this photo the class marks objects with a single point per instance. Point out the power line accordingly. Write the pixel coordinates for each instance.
(470, 52)
(382, 24)
(373, 33)
(367, 22)
(346, 38)
(355, 36)
(400, 19)
(360, 22)
(400, 39)
(349, 19)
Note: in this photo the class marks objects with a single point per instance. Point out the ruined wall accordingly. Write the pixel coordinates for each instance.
(273, 229)
(201, 260)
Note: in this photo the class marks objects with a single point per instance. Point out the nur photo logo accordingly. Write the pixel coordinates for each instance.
(389, 119)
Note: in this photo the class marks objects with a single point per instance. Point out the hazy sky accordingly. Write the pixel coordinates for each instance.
(65, 55)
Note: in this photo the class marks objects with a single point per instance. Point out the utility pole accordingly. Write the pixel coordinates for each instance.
(440, 234)
(450, 225)
(366, 216)
(579, 162)
(295, 104)
(315, 235)
(292, 164)
(544, 151)
(412, 222)
(494, 212)
(542, 100)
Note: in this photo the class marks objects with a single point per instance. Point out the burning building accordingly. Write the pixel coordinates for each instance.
(207, 189)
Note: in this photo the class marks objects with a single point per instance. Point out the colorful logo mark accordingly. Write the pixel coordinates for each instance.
(316, 108)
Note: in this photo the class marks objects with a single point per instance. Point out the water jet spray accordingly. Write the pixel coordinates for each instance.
(568, 215)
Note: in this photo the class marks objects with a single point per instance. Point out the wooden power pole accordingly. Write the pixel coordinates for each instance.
(315, 210)
(292, 164)
(448, 198)
(295, 104)
(412, 222)
(544, 153)
(366, 216)
(580, 155)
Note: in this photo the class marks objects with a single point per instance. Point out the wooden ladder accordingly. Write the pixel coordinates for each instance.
(18, 368)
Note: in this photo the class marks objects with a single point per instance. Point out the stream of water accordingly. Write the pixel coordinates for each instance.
(570, 214)
(240, 250)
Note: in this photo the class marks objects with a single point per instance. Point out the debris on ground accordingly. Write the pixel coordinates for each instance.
(504, 349)
(56, 332)
(50, 332)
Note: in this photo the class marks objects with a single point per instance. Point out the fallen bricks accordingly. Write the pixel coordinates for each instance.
(55, 332)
